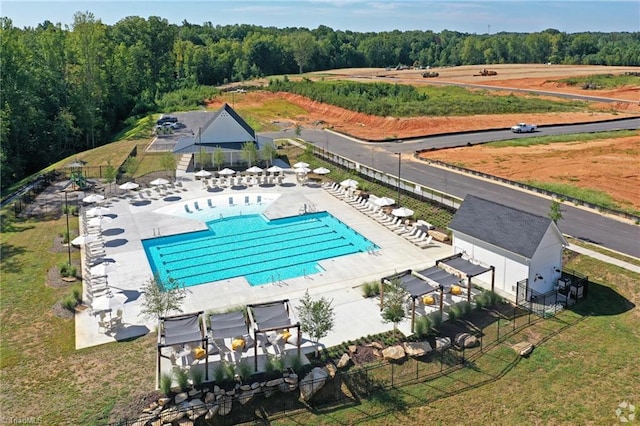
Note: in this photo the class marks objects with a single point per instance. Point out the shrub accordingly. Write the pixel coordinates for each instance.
(77, 294)
(69, 302)
(270, 364)
(423, 325)
(218, 373)
(436, 321)
(366, 289)
(494, 298)
(197, 376)
(482, 301)
(65, 237)
(466, 308)
(165, 383)
(67, 270)
(244, 370)
(295, 362)
(229, 370)
(455, 312)
(182, 379)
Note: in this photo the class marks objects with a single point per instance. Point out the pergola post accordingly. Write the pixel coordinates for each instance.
(468, 288)
(493, 278)
(441, 298)
(413, 315)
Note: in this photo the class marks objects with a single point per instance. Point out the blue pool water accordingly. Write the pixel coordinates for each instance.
(252, 246)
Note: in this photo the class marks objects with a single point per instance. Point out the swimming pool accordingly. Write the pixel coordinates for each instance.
(261, 250)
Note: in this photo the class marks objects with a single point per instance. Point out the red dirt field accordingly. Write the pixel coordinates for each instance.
(606, 165)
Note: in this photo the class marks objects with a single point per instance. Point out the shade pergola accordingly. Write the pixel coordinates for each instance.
(468, 268)
(440, 277)
(273, 316)
(415, 286)
(182, 329)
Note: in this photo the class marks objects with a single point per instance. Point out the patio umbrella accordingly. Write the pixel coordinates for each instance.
(129, 185)
(99, 221)
(159, 181)
(402, 212)
(102, 269)
(302, 170)
(254, 169)
(93, 198)
(96, 211)
(349, 183)
(300, 164)
(275, 169)
(321, 171)
(109, 301)
(226, 172)
(202, 173)
(84, 239)
(384, 201)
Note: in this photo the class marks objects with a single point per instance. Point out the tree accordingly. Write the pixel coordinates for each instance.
(168, 162)
(316, 317)
(393, 303)
(555, 212)
(249, 153)
(298, 130)
(268, 153)
(303, 46)
(218, 158)
(110, 174)
(161, 297)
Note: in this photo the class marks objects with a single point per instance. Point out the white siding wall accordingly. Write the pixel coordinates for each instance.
(547, 257)
(510, 268)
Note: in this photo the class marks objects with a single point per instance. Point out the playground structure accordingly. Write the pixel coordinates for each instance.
(78, 180)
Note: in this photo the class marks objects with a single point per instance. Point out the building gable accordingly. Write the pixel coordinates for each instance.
(226, 126)
(511, 229)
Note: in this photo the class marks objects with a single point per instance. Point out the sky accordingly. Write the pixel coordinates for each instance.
(468, 16)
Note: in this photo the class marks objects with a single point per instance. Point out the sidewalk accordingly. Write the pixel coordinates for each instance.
(604, 258)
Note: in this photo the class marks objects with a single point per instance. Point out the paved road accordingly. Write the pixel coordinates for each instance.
(579, 223)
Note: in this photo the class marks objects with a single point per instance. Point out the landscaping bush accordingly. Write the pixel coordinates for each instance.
(244, 370)
(229, 370)
(423, 326)
(366, 289)
(218, 373)
(67, 270)
(165, 383)
(197, 376)
(436, 321)
(466, 308)
(455, 312)
(69, 302)
(182, 379)
(295, 362)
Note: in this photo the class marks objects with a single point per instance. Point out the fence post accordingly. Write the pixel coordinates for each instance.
(514, 318)
(392, 373)
(498, 338)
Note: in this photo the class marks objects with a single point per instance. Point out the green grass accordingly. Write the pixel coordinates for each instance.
(592, 196)
(603, 81)
(605, 251)
(575, 138)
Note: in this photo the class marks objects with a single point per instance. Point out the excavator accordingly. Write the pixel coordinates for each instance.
(485, 72)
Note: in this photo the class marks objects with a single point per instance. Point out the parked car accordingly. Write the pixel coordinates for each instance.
(166, 119)
(524, 128)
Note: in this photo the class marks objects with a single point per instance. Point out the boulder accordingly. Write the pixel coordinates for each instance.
(438, 236)
(245, 397)
(417, 349)
(466, 340)
(331, 370)
(255, 385)
(209, 398)
(291, 379)
(181, 397)
(275, 382)
(443, 343)
(230, 392)
(212, 412)
(312, 383)
(171, 415)
(185, 422)
(394, 353)
(523, 348)
(353, 349)
(163, 401)
(268, 392)
(376, 345)
(344, 360)
(224, 405)
(245, 387)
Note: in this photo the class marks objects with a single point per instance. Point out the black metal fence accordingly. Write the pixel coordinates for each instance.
(350, 386)
(571, 288)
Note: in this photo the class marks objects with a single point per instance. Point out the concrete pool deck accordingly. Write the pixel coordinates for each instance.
(340, 280)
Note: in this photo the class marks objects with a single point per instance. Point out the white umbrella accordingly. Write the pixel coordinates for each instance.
(102, 269)
(96, 211)
(93, 198)
(109, 301)
(254, 169)
(99, 221)
(321, 171)
(275, 169)
(384, 201)
(226, 172)
(349, 183)
(159, 181)
(202, 173)
(302, 170)
(300, 164)
(84, 239)
(129, 185)
(402, 212)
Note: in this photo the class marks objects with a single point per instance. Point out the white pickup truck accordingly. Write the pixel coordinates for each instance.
(524, 128)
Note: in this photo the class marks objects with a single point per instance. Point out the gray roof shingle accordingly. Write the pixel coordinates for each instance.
(514, 230)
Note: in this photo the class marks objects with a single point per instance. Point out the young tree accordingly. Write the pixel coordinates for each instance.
(110, 174)
(393, 303)
(316, 317)
(249, 153)
(168, 163)
(268, 153)
(555, 212)
(161, 298)
(218, 158)
(298, 130)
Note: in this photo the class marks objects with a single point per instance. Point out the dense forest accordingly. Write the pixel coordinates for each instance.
(68, 89)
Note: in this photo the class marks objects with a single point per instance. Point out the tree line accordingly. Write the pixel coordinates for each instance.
(67, 89)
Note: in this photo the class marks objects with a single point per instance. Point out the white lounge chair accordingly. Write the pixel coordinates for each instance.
(424, 243)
